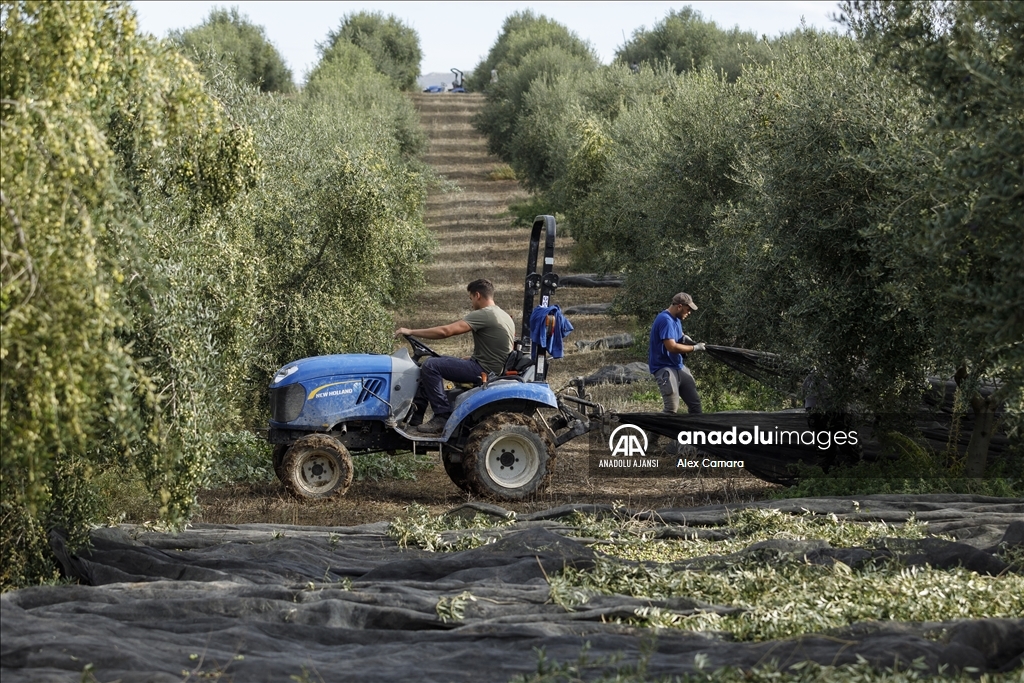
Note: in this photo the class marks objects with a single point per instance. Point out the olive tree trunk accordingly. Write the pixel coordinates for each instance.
(985, 423)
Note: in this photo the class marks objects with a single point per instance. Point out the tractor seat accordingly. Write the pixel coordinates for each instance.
(516, 365)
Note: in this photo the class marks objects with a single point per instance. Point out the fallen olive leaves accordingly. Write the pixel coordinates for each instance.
(777, 594)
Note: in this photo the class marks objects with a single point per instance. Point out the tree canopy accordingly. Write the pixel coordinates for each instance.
(521, 34)
(228, 36)
(530, 51)
(394, 48)
(685, 40)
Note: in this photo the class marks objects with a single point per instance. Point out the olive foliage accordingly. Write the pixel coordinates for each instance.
(967, 60)
(341, 223)
(684, 40)
(394, 48)
(169, 240)
(530, 50)
(227, 35)
(524, 32)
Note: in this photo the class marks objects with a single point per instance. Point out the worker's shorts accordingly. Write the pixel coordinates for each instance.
(676, 383)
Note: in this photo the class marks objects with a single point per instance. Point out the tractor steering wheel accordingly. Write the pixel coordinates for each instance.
(419, 349)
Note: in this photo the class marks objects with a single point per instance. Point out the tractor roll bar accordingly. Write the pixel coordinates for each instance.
(544, 282)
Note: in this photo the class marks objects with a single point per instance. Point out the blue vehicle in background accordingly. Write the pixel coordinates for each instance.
(501, 437)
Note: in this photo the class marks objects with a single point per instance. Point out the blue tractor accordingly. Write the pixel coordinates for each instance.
(499, 442)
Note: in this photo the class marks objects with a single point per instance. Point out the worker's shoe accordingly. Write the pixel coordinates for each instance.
(416, 415)
(435, 426)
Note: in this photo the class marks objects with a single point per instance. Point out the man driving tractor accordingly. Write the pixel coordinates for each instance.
(493, 331)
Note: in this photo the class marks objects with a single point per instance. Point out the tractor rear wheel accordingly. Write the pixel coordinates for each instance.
(317, 466)
(508, 456)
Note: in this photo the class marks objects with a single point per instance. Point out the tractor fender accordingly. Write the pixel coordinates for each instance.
(514, 393)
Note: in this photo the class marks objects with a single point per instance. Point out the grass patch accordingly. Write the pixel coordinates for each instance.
(642, 396)
(910, 469)
(125, 497)
(502, 172)
(242, 458)
(524, 212)
(380, 466)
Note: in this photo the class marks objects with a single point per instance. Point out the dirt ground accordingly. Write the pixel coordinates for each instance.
(475, 238)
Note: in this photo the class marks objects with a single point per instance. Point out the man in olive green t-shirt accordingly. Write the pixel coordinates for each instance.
(492, 330)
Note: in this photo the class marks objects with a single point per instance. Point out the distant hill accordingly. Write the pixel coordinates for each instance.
(437, 78)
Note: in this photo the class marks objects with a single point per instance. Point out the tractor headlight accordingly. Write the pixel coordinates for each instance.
(283, 373)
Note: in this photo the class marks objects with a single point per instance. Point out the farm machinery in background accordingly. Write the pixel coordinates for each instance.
(457, 85)
(497, 442)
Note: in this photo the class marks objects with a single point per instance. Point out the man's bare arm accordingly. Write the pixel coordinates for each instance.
(672, 346)
(439, 332)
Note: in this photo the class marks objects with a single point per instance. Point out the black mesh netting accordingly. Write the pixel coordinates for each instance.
(774, 370)
(768, 368)
(261, 602)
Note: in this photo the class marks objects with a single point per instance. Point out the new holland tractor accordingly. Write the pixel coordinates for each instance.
(501, 437)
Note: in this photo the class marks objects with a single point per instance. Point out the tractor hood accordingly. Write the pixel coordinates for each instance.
(328, 366)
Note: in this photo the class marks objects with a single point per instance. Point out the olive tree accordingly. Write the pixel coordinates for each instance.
(684, 40)
(169, 240)
(500, 119)
(825, 277)
(522, 33)
(227, 35)
(103, 131)
(394, 48)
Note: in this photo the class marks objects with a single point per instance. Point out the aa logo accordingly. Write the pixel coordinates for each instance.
(626, 441)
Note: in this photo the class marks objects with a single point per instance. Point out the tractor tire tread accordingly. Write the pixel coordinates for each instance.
(291, 467)
(483, 430)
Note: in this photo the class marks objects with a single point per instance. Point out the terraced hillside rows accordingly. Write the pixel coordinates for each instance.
(472, 226)
(466, 218)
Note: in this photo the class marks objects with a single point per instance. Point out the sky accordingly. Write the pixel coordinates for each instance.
(459, 34)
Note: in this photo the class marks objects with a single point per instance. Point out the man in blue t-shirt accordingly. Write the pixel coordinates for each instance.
(665, 355)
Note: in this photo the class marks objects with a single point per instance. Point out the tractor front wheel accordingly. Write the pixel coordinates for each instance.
(317, 466)
(508, 456)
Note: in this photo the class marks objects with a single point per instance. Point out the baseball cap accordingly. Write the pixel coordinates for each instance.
(684, 298)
